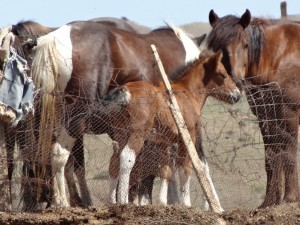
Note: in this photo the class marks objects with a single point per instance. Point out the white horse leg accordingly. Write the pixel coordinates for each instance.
(113, 190)
(163, 191)
(206, 205)
(144, 200)
(59, 160)
(127, 160)
(185, 197)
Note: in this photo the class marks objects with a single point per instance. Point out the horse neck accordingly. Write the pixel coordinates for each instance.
(267, 49)
(191, 83)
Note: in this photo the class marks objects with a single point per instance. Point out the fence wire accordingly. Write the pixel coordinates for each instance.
(231, 139)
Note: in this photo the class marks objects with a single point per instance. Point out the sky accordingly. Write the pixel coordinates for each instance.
(55, 13)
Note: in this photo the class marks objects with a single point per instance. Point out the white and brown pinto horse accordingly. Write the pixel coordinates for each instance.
(22, 37)
(80, 62)
(144, 109)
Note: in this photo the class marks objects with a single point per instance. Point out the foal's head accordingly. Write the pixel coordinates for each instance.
(216, 79)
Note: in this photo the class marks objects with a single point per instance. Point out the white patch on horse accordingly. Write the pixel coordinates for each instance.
(61, 151)
(185, 196)
(163, 191)
(214, 192)
(127, 160)
(192, 52)
(113, 191)
(65, 48)
(123, 96)
(235, 94)
(145, 200)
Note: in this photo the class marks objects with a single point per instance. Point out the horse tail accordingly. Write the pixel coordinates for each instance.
(45, 74)
(192, 51)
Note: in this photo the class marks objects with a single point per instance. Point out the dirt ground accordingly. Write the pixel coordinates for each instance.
(132, 215)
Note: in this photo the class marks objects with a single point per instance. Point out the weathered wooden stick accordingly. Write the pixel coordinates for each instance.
(196, 162)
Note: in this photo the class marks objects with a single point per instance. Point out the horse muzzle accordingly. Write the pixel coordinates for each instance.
(235, 95)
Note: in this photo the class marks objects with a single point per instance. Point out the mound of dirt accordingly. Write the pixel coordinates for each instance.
(132, 215)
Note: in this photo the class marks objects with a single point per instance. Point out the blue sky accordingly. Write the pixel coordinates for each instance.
(150, 13)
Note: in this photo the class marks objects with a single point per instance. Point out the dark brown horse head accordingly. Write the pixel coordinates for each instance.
(228, 34)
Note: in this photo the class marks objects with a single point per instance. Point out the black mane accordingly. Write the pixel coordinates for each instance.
(184, 69)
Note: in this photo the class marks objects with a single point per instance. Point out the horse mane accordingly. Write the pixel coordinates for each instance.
(183, 70)
(25, 30)
(29, 29)
(256, 39)
(163, 28)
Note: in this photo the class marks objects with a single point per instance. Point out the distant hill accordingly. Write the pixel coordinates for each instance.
(294, 17)
(194, 29)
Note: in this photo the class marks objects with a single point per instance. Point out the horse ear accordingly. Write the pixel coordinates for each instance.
(245, 19)
(213, 18)
(219, 55)
(211, 63)
(199, 40)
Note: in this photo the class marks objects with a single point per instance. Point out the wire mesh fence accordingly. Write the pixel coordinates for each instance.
(231, 139)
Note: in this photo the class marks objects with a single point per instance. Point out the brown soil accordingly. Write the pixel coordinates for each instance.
(132, 215)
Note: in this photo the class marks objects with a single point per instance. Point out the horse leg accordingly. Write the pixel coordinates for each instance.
(59, 160)
(76, 164)
(127, 159)
(75, 199)
(10, 138)
(173, 194)
(184, 172)
(281, 161)
(79, 169)
(113, 173)
(145, 190)
(290, 169)
(165, 174)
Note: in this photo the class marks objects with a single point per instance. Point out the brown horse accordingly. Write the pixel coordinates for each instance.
(25, 34)
(82, 61)
(147, 116)
(264, 54)
(132, 70)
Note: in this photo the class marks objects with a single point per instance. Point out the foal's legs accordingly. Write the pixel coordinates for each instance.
(184, 172)
(59, 160)
(127, 160)
(113, 170)
(165, 176)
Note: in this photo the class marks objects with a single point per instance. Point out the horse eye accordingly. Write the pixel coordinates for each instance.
(222, 76)
(245, 46)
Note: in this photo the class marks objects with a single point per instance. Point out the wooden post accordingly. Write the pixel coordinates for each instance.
(283, 8)
(196, 162)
